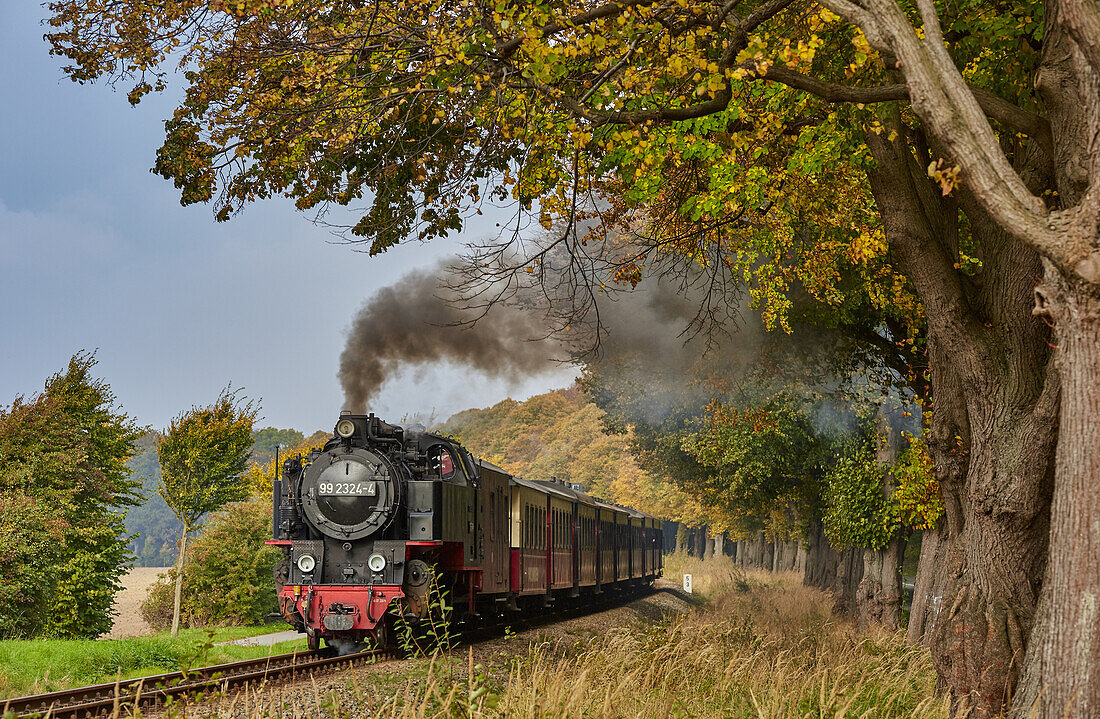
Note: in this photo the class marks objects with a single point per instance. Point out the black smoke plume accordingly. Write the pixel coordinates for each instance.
(419, 321)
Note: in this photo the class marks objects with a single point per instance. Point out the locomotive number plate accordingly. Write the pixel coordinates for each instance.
(347, 489)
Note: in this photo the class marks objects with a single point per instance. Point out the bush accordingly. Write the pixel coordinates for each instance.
(62, 552)
(31, 533)
(227, 579)
(857, 513)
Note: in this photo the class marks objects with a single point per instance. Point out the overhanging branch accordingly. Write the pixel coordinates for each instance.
(1012, 116)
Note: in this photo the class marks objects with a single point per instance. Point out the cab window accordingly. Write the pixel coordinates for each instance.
(441, 461)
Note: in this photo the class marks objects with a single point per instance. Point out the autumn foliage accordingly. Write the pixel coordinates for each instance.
(64, 485)
(561, 434)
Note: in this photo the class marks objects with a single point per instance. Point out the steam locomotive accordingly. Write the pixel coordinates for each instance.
(366, 522)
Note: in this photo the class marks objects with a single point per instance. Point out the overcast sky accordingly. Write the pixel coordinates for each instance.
(98, 254)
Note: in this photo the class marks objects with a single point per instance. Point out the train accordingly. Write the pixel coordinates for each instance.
(381, 514)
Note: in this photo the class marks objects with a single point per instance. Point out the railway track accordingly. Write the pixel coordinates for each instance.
(117, 697)
(101, 699)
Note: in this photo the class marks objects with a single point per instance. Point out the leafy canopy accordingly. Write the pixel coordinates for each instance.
(860, 512)
(761, 461)
(422, 111)
(64, 485)
(228, 572)
(203, 454)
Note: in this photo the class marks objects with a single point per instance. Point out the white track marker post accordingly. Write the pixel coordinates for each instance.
(687, 583)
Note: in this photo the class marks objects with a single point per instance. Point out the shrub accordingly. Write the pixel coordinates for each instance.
(64, 551)
(227, 579)
(857, 513)
(31, 533)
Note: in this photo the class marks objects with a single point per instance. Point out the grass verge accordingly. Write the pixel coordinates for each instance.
(761, 646)
(43, 665)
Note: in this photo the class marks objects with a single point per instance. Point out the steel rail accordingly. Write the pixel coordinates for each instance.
(100, 699)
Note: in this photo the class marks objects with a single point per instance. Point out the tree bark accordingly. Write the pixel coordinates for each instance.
(879, 596)
(1004, 511)
(948, 434)
(836, 571)
(754, 551)
(180, 561)
(1062, 669)
(708, 544)
(990, 369)
(786, 556)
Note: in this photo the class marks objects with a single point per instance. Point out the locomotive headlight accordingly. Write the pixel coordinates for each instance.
(306, 563)
(376, 562)
(345, 428)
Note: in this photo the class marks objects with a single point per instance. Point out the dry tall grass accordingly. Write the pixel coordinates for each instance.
(765, 646)
(708, 577)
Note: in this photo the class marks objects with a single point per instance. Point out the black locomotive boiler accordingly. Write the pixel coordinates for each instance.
(365, 522)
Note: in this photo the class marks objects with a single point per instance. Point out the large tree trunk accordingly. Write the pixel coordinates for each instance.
(989, 368)
(879, 596)
(1062, 668)
(1062, 671)
(948, 433)
(1004, 511)
(180, 560)
(786, 555)
(720, 545)
(838, 572)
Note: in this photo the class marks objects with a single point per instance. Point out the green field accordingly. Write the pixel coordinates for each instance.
(41, 665)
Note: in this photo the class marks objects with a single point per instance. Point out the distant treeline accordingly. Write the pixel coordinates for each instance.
(155, 529)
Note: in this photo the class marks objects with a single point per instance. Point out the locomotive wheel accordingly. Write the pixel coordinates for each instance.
(385, 634)
(313, 641)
